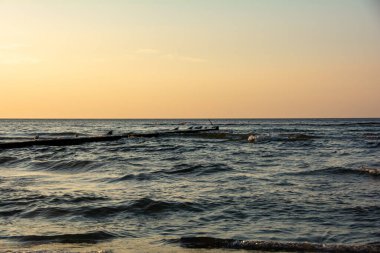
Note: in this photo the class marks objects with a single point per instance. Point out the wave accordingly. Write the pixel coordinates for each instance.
(376, 124)
(288, 137)
(149, 205)
(7, 159)
(9, 213)
(210, 242)
(198, 169)
(68, 199)
(22, 205)
(298, 137)
(15, 138)
(373, 144)
(47, 212)
(360, 124)
(262, 137)
(365, 124)
(375, 172)
(143, 206)
(180, 169)
(369, 213)
(138, 177)
(371, 136)
(298, 123)
(59, 134)
(230, 136)
(65, 165)
(90, 237)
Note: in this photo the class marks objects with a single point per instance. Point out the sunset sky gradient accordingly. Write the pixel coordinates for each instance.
(189, 58)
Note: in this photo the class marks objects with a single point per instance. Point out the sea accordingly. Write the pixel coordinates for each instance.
(300, 182)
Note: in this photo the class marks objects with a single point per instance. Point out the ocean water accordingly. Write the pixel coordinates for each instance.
(302, 180)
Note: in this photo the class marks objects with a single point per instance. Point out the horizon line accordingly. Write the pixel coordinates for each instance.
(201, 118)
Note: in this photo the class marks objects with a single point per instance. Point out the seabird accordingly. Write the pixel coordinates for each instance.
(36, 137)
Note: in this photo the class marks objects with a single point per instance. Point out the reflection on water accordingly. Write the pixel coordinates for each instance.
(311, 181)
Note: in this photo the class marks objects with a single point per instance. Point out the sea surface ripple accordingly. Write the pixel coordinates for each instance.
(303, 180)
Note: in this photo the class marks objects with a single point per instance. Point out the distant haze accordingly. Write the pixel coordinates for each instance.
(189, 59)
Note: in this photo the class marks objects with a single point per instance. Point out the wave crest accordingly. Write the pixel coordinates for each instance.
(210, 242)
(65, 165)
(375, 172)
(143, 206)
(179, 170)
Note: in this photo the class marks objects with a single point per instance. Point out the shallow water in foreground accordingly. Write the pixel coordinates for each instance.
(314, 181)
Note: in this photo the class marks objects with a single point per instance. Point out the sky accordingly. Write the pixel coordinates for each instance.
(189, 58)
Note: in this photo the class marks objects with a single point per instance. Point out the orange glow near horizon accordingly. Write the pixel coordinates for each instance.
(189, 59)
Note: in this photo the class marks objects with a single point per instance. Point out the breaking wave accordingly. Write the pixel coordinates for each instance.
(299, 180)
(210, 242)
